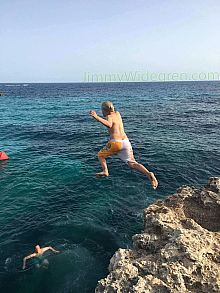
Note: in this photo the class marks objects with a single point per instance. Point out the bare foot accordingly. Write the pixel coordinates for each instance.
(153, 180)
(102, 174)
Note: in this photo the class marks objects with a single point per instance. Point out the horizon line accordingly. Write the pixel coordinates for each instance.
(91, 82)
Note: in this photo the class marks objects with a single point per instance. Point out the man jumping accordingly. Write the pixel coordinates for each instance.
(118, 143)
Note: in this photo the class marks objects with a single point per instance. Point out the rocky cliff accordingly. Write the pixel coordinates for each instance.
(179, 250)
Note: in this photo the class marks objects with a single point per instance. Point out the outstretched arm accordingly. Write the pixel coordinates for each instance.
(107, 123)
(50, 248)
(26, 258)
(54, 250)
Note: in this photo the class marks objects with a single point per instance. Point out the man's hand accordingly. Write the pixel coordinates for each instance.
(107, 123)
(93, 114)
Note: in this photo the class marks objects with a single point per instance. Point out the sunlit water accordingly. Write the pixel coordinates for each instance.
(49, 194)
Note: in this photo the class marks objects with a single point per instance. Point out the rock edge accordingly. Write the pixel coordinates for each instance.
(179, 250)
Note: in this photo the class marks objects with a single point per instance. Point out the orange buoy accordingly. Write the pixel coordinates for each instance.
(3, 156)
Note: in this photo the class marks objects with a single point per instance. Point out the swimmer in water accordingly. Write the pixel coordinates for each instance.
(38, 254)
(118, 143)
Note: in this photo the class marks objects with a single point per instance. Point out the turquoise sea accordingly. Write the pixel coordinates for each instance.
(49, 194)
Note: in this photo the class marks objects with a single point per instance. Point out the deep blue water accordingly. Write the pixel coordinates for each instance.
(49, 194)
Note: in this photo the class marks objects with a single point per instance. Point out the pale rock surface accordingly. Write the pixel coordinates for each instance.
(179, 250)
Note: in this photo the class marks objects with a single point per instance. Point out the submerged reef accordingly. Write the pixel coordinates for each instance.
(179, 249)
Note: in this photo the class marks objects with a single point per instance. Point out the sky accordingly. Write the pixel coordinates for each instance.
(58, 41)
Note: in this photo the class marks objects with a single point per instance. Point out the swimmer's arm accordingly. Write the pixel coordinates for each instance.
(107, 123)
(26, 258)
(50, 248)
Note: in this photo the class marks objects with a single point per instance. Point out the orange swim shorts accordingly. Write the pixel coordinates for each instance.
(121, 148)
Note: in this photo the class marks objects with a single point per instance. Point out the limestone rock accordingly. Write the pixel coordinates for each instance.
(179, 250)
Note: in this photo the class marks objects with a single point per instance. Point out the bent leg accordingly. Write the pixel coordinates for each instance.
(139, 167)
(111, 148)
(104, 167)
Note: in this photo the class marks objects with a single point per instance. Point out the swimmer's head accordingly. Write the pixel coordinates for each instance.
(107, 108)
(37, 248)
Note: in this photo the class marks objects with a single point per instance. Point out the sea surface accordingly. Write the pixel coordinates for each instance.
(49, 194)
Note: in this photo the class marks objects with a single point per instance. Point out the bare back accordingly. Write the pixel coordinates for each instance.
(117, 129)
